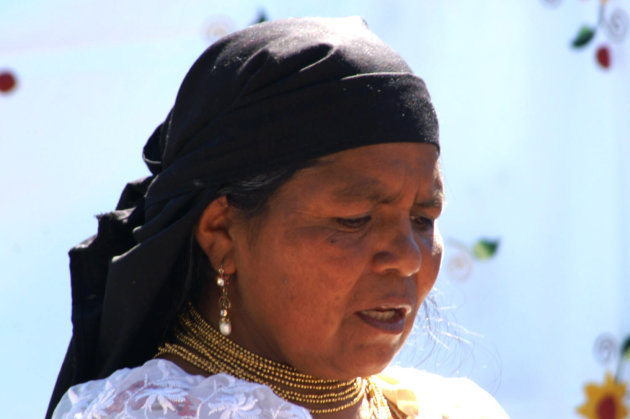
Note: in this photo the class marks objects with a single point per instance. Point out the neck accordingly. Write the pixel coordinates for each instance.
(203, 349)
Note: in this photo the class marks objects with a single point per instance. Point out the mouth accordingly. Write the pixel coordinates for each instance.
(389, 320)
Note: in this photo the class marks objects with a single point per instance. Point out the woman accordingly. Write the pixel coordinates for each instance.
(274, 263)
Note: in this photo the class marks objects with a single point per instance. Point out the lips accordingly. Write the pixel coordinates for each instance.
(388, 320)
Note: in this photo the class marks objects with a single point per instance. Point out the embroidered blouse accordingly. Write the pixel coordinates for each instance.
(160, 389)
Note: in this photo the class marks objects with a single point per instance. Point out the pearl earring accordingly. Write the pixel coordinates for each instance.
(225, 326)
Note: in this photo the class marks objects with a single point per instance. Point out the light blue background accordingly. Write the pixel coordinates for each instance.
(536, 145)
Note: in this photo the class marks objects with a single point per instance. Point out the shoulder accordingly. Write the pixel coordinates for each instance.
(161, 389)
(424, 395)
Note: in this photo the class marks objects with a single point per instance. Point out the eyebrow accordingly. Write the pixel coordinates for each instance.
(366, 189)
(436, 201)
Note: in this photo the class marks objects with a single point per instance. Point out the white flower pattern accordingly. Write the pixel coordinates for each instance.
(160, 389)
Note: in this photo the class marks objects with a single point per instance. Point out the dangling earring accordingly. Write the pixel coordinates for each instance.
(225, 326)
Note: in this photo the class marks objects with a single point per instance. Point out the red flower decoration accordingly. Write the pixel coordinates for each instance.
(7, 82)
(603, 56)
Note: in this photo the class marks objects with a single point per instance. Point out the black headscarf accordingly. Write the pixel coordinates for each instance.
(273, 94)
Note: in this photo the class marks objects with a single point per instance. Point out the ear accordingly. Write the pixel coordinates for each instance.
(213, 234)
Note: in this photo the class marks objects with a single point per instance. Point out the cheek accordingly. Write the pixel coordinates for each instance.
(323, 248)
(320, 270)
(432, 250)
(437, 248)
(439, 243)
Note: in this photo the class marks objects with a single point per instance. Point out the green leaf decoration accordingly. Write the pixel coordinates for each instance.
(262, 17)
(485, 249)
(625, 348)
(584, 36)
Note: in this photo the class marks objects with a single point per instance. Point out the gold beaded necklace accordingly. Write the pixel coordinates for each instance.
(207, 349)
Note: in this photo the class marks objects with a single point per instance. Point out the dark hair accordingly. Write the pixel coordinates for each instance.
(252, 193)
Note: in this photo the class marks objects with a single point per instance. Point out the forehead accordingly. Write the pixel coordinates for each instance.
(376, 172)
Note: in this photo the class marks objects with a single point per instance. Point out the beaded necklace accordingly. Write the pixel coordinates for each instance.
(207, 349)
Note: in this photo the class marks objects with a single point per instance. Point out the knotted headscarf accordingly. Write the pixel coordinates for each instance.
(273, 94)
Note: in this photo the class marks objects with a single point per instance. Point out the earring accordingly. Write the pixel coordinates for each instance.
(225, 326)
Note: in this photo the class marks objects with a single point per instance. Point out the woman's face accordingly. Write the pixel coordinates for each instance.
(331, 276)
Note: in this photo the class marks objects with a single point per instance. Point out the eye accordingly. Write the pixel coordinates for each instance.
(422, 223)
(353, 223)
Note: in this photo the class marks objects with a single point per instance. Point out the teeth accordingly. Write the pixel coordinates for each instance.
(381, 315)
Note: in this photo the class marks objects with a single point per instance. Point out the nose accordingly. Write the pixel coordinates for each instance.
(399, 249)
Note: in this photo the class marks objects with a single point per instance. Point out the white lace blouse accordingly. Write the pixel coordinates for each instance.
(160, 389)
